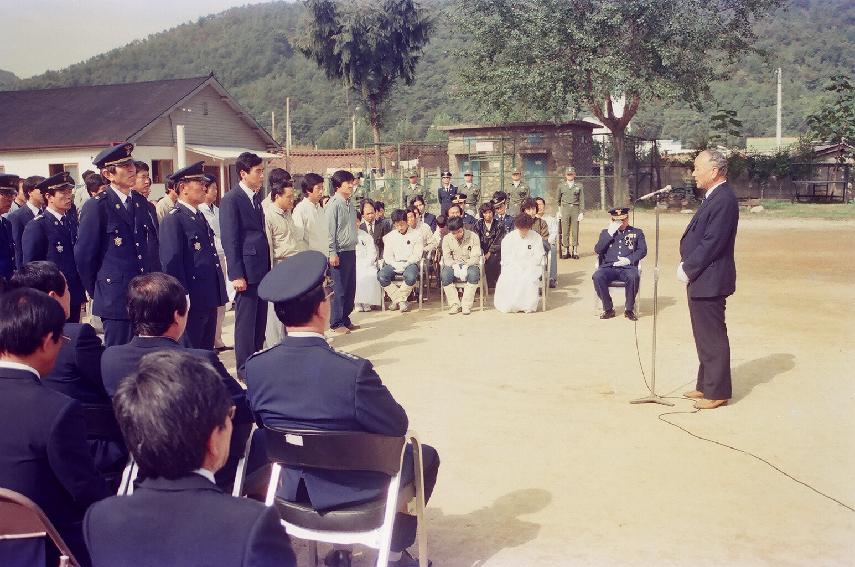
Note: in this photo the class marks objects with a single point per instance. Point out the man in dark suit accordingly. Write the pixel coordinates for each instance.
(427, 218)
(43, 452)
(142, 186)
(113, 243)
(20, 218)
(188, 253)
(52, 235)
(708, 269)
(247, 253)
(445, 194)
(177, 515)
(373, 226)
(8, 190)
(304, 383)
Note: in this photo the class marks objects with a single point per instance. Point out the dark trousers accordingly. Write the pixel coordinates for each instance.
(117, 331)
(344, 285)
(201, 327)
(492, 268)
(713, 346)
(250, 322)
(74, 313)
(606, 275)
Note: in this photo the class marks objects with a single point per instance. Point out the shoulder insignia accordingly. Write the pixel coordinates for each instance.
(173, 211)
(262, 351)
(348, 355)
(101, 196)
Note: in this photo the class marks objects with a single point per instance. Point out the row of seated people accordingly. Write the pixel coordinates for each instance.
(50, 369)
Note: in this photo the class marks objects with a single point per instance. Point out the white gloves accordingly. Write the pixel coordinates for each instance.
(621, 262)
(580, 217)
(681, 275)
(612, 228)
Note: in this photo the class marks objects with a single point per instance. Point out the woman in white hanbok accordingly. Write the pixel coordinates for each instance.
(522, 268)
(368, 291)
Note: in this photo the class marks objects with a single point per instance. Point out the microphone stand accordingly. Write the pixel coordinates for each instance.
(653, 397)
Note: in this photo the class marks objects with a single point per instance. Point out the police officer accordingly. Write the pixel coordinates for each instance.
(619, 248)
(31, 208)
(571, 203)
(473, 192)
(188, 253)
(113, 242)
(51, 236)
(446, 192)
(8, 191)
(303, 382)
(411, 191)
(517, 192)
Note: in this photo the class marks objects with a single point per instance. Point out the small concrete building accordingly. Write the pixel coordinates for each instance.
(43, 132)
(542, 150)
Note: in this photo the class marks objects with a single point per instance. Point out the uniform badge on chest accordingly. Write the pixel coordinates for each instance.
(629, 240)
(197, 246)
(118, 241)
(60, 248)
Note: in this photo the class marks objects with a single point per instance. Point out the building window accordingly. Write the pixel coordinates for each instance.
(535, 138)
(205, 109)
(160, 170)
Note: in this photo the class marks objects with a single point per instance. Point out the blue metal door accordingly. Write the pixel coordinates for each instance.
(534, 173)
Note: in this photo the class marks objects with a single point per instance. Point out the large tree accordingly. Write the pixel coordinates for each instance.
(834, 122)
(546, 59)
(367, 44)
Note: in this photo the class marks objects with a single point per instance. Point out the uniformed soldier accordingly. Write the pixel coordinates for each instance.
(571, 203)
(500, 205)
(113, 242)
(620, 248)
(189, 254)
(473, 192)
(8, 191)
(518, 191)
(51, 236)
(304, 383)
(411, 191)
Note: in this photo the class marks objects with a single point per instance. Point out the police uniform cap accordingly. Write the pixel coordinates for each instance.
(499, 197)
(9, 183)
(56, 182)
(459, 198)
(194, 172)
(299, 274)
(619, 213)
(114, 155)
(569, 170)
(446, 174)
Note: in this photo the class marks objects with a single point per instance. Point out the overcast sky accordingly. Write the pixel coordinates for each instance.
(39, 35)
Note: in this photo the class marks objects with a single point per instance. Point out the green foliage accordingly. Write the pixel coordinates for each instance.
(7, 79)
(726, 126)
(835, 121)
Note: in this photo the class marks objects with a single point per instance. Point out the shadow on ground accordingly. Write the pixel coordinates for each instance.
(759, 371)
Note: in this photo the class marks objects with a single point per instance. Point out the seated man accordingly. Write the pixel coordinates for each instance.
(415, 223)
(500, 204)
(490, 233)
(304, 383)
(461, 261)
(619, 248)
(177, 418)
(456, 210)
(429, 219)
(157, 306)
(43, 452)
(402, 251)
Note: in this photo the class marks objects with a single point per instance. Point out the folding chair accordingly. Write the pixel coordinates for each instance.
(368, 524)
(482, 287)
(240, 472)
(598, 305)
(420, 284)
(544, 281)
(21, 518)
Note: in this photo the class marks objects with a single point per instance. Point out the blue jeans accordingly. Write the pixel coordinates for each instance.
(386, 274)
(344, 285)
(446, 275)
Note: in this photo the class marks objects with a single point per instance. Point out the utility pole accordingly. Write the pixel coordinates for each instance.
(273, 123)
(288, 131)
(353, 130)
(778, 121)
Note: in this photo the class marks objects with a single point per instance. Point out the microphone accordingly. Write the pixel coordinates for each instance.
(666, 189)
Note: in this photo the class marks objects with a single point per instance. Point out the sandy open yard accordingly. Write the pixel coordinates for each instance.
(544, 461)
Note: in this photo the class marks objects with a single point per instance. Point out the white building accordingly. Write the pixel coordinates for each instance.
(43, 132)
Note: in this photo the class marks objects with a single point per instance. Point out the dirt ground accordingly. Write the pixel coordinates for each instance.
(544, 461)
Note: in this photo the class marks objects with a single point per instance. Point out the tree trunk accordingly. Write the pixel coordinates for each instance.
(375, 128)
(620, 195)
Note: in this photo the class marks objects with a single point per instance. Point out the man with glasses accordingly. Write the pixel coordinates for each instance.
(303, 382)
(113, 242)
(52, 235)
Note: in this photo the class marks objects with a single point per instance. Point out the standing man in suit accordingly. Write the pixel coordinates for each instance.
(247, 253)
(303, 382)
(8, 190)
(20, 218)
(189, 254)
(52, 235)
(708, 269)
(178, 515)
(114, 242)
(445, 194)
(43, 451)
(341, 221)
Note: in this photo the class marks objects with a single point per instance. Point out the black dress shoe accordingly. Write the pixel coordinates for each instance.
(565, 256)
(607, 314)
(575, 256)
(630, 315)
(407, 560)
(338, 558)
(552, 284)
(223, 348)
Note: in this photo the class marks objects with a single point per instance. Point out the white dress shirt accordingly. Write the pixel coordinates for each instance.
(18, 366)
